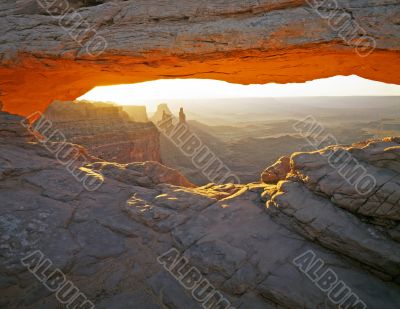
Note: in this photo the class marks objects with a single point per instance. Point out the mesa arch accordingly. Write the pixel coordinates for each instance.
(243, 42)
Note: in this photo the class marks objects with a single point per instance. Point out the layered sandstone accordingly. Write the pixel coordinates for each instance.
(106, 131)
(243, 42)
(242, 238)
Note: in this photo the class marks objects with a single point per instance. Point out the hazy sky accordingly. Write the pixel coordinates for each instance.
(154, 92)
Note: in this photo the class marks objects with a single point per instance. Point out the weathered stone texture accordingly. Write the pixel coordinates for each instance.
(243, 238)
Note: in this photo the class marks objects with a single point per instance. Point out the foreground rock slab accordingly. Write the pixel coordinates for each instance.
(244, 239)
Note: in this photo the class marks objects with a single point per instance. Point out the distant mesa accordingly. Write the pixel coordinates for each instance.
(61, 111)
(84, 109)
(137, 113)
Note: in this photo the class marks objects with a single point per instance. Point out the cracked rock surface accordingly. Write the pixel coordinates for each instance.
(242, 238)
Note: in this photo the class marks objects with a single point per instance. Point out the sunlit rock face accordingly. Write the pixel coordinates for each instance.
(278, 171)
(106, 130)
(243, 238)
(236, 41)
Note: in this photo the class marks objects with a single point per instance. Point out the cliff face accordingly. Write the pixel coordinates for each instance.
(262, 245)
(232, 40)
(106, 131)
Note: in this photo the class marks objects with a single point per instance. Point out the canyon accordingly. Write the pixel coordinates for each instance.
(248, 134)
(242, 237)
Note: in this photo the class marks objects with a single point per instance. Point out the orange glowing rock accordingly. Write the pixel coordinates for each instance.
(235, 41)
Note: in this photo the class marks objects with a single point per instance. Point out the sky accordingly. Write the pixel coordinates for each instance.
(158, 91)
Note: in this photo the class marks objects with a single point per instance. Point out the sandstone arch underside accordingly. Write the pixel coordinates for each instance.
(236, 41)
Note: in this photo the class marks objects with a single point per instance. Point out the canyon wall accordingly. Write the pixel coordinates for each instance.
(106, 131)
(47, 56)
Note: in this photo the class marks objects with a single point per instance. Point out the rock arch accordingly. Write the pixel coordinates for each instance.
(236, 41)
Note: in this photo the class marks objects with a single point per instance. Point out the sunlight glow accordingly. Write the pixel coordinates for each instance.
(154, 92)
